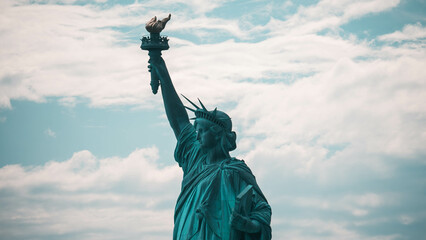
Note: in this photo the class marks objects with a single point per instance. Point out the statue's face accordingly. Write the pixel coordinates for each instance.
(205, 135)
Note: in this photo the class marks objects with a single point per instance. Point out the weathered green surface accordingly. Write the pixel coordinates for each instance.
(206, 207)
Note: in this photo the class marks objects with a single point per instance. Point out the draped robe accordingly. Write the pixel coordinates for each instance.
(208, 193)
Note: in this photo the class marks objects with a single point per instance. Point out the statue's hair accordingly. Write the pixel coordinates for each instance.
(228, 141)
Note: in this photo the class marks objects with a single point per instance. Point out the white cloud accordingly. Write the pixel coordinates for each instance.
(409, 32)
(71, 53)
(327, 14)
(368, 200)
(90, 198)
(406, 220)
(366, 106)
(359, 212)
(68, 101)
(313, 112)
(199, 6)
(357, 205)
(313, 228)
(205, 28)
(128, 198)
(83, 171)
(77, 55)
(50, 133)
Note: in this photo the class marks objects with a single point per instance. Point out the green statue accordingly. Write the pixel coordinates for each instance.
(220, 198)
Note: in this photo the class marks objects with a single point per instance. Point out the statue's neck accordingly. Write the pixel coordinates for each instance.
(216, 155)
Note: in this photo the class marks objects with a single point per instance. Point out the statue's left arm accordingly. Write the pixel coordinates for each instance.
(258, 223)
(244, 224)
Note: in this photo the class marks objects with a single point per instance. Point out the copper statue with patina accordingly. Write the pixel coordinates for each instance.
(220, 198)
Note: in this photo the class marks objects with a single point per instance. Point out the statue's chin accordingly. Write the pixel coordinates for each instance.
(205, 149)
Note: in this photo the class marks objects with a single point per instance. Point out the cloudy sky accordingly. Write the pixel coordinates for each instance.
(328, 99)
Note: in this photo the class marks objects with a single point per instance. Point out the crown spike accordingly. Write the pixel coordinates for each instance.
(190, 109)
(214, 112)
(193, 104)
(202, 105)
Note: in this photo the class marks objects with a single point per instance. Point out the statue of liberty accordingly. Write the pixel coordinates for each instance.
(220, 198)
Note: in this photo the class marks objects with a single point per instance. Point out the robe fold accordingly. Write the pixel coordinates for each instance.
(208, 194)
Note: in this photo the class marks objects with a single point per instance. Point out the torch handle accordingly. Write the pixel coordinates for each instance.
(155, 82)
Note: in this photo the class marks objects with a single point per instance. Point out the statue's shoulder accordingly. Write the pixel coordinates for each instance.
(235, 161)
(237, 164)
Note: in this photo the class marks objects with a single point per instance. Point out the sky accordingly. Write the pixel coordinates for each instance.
(328, 99)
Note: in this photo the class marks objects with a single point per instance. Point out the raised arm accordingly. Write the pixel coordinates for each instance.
(175, 111)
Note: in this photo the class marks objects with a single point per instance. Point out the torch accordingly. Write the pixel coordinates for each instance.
(154, 43)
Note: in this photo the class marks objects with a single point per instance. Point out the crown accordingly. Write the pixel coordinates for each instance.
(209, 115)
